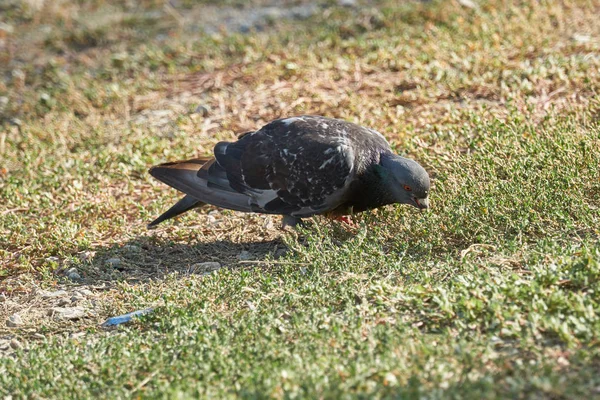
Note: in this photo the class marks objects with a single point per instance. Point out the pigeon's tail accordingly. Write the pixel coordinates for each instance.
(183, 205)
(203, 181)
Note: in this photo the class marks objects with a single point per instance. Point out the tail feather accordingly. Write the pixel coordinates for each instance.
(193, 178)
(183, 205)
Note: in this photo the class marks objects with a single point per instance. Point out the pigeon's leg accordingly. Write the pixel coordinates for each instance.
(345, 218)
(290, 221)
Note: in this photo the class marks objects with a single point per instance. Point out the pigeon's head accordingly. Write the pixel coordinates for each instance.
(406, 179)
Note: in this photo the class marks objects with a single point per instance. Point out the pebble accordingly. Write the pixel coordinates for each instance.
(268, 224)
(131, 248)
(76, 335)
(86, 255)
(39, 336)
(468, 3)
(85, 292)
(202, 110)
(51, 295)
(53, 259)
(73, 275)
(245, 255)
(68, 312)
(208, 266)
(63, 302)
(77, 297)
(14, 321)
(113, 262)
(15, 344)
(581, 38)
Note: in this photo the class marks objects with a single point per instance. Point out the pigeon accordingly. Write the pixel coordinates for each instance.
(298, 167)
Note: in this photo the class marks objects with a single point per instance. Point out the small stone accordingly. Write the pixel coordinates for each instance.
(50, 295)
(113, 262)
(245, 255)
(581, 38)
(77, 297)
(73, 275)
(53, 259)
(63, 302)
(347, 3)
(14, 321)
(202, 110)
(86, 255)
(468, 3)
(212, 220)
(268, 224)
(85, 292)
(205, 267)
(39, 336)
(76, 335)
(15, 344)
(68, 312)
(131, 248)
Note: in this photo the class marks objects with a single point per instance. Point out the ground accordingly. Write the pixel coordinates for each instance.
(492, 293)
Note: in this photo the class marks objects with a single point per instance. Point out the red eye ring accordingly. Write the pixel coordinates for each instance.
(407, 188)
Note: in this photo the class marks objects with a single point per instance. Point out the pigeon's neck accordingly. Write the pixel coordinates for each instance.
(371, 190)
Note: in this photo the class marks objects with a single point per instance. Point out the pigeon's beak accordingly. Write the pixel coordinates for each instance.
(422, 203)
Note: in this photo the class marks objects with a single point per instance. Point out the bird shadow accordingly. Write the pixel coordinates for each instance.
(150, 258)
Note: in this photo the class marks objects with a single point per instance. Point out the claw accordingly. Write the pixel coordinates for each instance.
(345, 219)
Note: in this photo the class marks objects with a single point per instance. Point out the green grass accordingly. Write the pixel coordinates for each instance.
(492, 293)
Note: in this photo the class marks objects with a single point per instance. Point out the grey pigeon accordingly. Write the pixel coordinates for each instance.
(298, 167)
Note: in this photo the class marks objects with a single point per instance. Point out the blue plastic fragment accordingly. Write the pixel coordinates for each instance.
(121, 319)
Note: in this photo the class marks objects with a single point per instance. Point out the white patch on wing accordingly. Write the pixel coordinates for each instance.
(348, 153)
(327, 162)
(291, 120)
(263, 198)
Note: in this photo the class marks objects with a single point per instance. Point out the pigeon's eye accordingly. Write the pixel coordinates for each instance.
(407, 188)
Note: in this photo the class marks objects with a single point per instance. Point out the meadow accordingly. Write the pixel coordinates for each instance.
(494, 292)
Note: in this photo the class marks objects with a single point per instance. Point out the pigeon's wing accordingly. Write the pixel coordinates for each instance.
(298, 166)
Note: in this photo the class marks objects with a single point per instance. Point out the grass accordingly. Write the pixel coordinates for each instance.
(493, 293)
